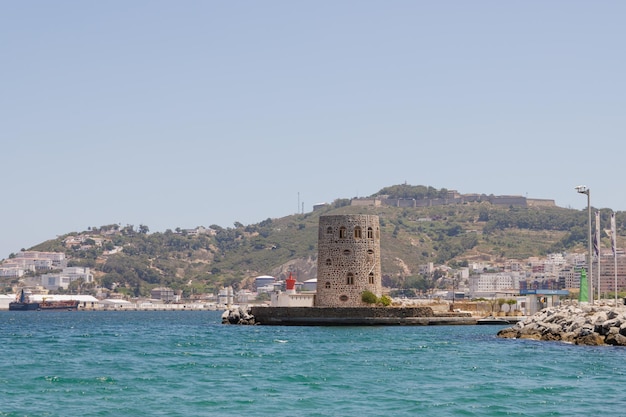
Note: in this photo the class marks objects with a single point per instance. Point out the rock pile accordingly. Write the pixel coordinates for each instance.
(574, 323)
(238, 315)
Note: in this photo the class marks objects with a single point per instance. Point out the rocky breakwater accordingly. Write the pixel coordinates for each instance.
(238, 315)
(573, 323)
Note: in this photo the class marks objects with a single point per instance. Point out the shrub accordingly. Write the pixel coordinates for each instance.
(385, 300)
(369, 297)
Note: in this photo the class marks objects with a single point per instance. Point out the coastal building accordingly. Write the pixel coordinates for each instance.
(569, 277)
(608, 272)
(264, 281)
(63, 279)
(309, 285)
(164, 294)
(57, 259)
(486, 285)
(348, 261)
(32, 261)
(226, 296)
(11, 270)
(291, 298)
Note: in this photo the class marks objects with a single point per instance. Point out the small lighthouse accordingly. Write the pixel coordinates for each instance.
(290, 285)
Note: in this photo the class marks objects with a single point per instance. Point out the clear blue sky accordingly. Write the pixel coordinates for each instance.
(186, 113)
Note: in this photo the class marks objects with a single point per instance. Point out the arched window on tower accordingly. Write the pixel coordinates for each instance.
(370, 278)
(327, 285)
(357, 232)
(350, 278)
(329, 262)
(329, 230)
(342, 232)
(370, 233)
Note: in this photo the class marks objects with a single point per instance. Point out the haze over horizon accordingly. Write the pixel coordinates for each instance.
(180, 114)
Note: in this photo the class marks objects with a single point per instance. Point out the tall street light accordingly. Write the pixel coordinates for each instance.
(582, 189)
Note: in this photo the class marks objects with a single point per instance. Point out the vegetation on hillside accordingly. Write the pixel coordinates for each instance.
(453, 235)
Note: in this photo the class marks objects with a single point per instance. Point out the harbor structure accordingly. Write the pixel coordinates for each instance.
(348, 260)
(348, 266)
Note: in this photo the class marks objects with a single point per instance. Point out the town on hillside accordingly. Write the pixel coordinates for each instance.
(513, 280)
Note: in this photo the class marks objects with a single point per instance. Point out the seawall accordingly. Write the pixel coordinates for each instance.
(356, 316)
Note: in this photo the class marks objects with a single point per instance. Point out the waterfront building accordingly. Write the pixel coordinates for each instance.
(569, 277)
(163, 293)
(264, 281)
(226, 296)
(607, 272)
(64, 278)
(486, 285)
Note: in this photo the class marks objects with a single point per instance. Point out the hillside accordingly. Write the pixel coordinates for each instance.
(199, 262)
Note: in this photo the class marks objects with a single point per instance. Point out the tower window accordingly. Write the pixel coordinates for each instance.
(370, 233)
(329, 262)
(346, 252)
(350, 278)
(342, 232)
(327, 285)
(329, 230)
(370, 278)
(357, 232)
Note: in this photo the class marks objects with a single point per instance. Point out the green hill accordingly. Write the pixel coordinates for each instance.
(453, 235)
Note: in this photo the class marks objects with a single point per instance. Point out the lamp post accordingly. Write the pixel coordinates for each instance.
(582, 189)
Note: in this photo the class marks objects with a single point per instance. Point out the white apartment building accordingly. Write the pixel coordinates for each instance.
(486, 285)
(32, 261)
(64, 278)
(226, 296)
(11, 271)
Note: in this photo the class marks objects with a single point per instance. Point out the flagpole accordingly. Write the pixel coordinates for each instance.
(615, 268)
(614, 247)
(597, 248)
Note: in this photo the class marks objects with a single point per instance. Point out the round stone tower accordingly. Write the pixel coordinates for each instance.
(348, 260)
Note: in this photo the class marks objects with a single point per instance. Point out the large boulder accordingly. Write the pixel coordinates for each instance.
(238, 315)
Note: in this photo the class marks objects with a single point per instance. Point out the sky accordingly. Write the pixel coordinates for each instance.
(187, 113)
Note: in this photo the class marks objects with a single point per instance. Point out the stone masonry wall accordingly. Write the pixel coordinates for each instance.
(348, 260)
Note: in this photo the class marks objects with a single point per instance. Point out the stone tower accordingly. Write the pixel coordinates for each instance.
(348, 260)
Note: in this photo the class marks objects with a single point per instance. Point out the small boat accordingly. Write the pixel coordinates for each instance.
(23, 303)
(492, 320)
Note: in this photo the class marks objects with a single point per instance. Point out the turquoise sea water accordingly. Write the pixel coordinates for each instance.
(188, 364)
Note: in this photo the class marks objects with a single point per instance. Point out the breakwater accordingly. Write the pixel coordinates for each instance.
(580, 324)
(345, 316)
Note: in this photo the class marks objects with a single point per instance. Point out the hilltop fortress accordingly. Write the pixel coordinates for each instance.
(453, 197)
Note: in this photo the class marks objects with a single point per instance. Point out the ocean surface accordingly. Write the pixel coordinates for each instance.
(188, 364)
